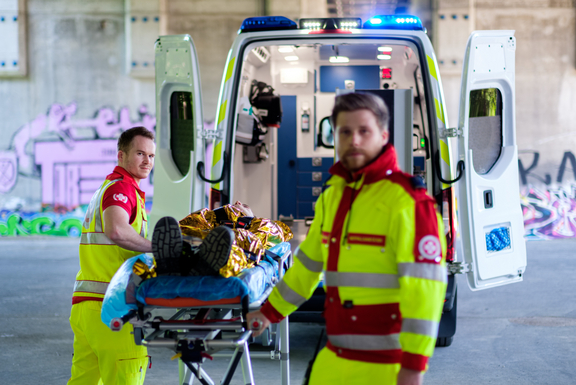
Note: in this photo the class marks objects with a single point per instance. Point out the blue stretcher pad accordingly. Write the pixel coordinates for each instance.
(124, 295)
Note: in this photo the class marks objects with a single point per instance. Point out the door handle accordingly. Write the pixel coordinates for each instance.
(488, 199)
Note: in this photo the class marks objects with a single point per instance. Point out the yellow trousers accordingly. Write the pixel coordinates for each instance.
(102, 356)
(330, 369)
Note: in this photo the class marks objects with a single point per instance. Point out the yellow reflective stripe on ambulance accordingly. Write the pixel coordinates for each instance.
(230, 69)
(420, 326)
(431, 67)
(217, 166)
(90, 287)
(368, 280)
(366, 342)
(439, 110)
(309, 263)
(444, 152)
(445, 168)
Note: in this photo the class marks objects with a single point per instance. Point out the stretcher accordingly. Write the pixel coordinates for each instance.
(206, 315)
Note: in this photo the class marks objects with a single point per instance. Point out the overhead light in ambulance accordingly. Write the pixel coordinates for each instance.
(330, 24)
(291, 58)
(285, 49)
(385, 49)
(407, 22)
(267, 23)
(384, 57)
(339, 59)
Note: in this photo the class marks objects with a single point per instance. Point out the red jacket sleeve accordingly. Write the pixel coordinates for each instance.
(123, 195)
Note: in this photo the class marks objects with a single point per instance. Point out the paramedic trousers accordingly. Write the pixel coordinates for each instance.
(330, 369)
(101, 355)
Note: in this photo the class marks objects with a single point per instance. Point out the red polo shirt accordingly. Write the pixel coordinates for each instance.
(122, 193)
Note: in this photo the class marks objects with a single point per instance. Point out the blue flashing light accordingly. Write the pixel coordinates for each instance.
(267, 23)
(406, 22)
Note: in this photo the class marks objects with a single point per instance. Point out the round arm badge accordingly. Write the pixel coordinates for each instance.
(430, 249)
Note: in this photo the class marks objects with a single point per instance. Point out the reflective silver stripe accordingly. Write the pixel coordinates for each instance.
(419, 326)
(144, 223)
(366, 342)
(95, 239)
(93, 211)
(290, 295)
(371, 280)
(91, 287)
(423, 270)
(310, 264)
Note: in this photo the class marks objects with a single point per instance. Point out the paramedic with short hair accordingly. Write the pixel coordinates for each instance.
(379, 240)
(114, 230)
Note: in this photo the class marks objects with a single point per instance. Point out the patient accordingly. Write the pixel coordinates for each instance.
(223, 241)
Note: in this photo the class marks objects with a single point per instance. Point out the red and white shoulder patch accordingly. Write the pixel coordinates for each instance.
(120, 198)
(429, 249)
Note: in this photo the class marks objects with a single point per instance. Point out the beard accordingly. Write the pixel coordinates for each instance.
(354, 160)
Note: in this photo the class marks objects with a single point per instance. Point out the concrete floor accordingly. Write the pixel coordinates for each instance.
(518, 334)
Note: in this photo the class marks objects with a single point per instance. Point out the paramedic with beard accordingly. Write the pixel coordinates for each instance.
(114, 230)
(379, 240)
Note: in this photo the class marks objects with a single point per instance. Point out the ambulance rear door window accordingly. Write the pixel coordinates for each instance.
(181, 130)
(485, 128)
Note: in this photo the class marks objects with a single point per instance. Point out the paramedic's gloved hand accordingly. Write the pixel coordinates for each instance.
(252, 319)
(409, 377)
(246, 210)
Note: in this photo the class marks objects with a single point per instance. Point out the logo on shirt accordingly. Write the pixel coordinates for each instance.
(120, 198)
(429, 248)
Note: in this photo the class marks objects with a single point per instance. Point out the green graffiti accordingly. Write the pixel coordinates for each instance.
(40, 224)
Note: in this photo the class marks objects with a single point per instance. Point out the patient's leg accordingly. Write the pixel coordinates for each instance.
(175, 257)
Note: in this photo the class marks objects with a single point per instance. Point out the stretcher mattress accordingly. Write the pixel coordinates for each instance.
(124, 294)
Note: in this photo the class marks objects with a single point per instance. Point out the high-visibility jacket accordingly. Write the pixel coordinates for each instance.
(100, 258)
(380, 241)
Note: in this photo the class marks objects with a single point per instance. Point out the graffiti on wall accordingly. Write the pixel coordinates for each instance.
(548, 201)
(71, 157)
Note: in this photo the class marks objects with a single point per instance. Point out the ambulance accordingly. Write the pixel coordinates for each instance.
(272, 143)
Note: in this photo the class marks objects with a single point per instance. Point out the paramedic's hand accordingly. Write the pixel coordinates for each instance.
(409, 377)
(256, 316)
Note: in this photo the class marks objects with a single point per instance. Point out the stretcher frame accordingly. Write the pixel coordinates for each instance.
(193, 340)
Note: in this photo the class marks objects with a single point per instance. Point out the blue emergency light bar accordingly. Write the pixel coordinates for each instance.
(267, 23)
(406, 22)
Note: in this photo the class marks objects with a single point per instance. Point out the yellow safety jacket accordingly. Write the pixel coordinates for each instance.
(380, 241)
(100, 258)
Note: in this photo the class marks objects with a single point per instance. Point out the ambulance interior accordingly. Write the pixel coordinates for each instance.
(282, 177)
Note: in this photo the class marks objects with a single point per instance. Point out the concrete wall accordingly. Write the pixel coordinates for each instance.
(58, 124)
(89, 77)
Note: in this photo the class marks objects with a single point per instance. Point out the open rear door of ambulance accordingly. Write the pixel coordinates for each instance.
(179, 130)
(492, 229)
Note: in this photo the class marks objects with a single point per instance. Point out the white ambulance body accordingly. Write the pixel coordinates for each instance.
(307, 65)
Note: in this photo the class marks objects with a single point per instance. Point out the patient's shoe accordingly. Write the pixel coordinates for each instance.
(212, 254)
(167, 246)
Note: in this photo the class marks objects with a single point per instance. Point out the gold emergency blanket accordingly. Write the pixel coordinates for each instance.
(260, 235)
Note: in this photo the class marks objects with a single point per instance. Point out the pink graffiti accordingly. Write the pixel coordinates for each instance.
(71, 156)
(549, 213)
